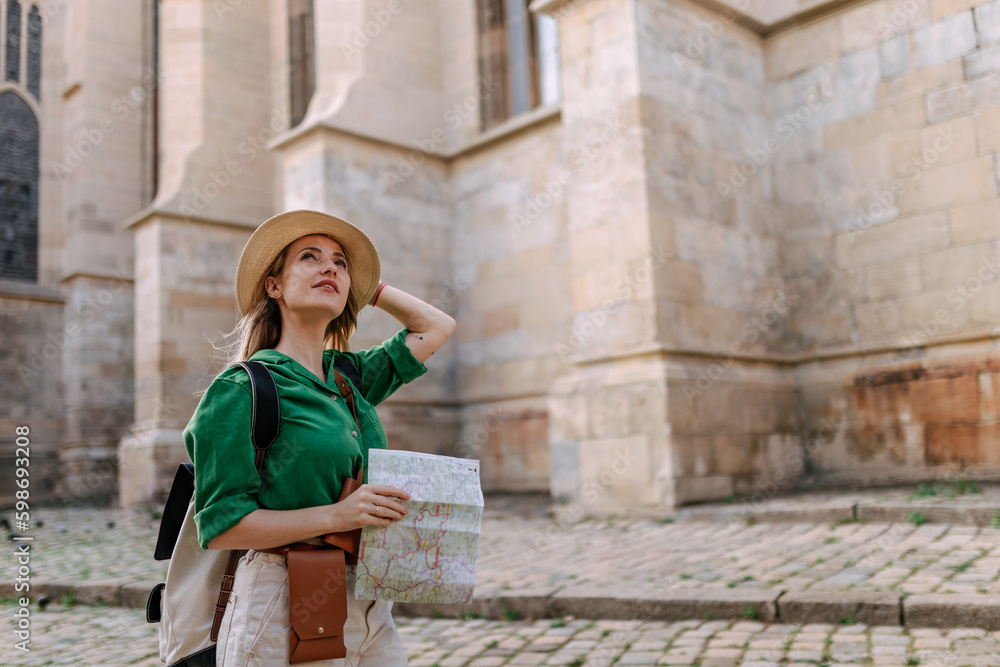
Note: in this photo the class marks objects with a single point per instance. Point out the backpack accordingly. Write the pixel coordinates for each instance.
(190, 604)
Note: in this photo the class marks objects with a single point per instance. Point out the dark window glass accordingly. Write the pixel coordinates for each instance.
(518, 59)
(493, 62)
(302, 76)
(13, 40)
(34, 51)
(18, 189)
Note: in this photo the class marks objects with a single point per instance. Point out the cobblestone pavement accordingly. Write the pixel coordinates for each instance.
(540, 554)
(85, 635)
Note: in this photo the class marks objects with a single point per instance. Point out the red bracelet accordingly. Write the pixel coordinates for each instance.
(381, 286)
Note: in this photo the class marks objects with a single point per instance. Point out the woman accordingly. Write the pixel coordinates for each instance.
(302, 278)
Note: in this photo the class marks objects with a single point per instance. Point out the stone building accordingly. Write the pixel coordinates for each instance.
(696, 248)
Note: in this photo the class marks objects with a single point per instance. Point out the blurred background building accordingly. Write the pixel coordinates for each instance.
(696, 248)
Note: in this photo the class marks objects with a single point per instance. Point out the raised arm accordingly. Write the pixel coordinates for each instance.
(429, 327)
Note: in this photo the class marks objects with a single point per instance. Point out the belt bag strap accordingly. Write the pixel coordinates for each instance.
(350, 540)
(347, 392)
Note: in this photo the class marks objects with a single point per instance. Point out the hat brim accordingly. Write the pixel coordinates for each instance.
(277, 232)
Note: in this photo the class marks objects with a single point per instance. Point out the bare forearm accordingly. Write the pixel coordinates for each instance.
(416, 315)
(265, 529)
(371, 505)
(429, 327)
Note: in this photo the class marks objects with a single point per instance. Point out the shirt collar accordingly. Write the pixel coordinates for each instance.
(272, 356)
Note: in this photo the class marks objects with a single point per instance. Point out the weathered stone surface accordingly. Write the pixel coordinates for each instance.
(675, 604)
(869, 608)
(944, 39)
(950, 610)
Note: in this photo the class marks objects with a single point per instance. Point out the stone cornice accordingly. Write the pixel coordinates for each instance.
(789, 360)
(555, 7)
(747, 13)
(95, 276)
(140, 218)
(16, 289)
(509, 128)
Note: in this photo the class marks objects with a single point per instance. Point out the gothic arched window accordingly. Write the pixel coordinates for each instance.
(301, 58)
(18, 189)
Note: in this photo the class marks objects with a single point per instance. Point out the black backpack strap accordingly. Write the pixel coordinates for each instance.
(350, 371)
(265, 422)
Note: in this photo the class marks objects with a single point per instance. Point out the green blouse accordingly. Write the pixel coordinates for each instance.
(318, 443)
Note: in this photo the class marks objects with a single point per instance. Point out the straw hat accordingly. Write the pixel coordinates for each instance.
(277, 232)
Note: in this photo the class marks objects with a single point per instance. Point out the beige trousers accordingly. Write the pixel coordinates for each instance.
(254, 630)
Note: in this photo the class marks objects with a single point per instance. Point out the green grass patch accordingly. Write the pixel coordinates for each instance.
(511, 614)
(950, 489)
(917, 518)
(845, 521)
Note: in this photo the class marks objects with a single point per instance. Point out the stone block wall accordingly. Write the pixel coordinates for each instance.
(723, 308)
(888, 191)
(509, 287)
(94, 174)
(31, 387)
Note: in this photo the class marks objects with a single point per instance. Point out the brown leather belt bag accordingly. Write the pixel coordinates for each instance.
(317, 605)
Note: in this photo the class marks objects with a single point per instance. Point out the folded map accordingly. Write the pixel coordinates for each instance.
(430, 554)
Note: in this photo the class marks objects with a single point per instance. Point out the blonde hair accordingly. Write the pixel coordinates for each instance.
(260, 328)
